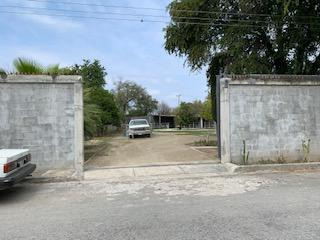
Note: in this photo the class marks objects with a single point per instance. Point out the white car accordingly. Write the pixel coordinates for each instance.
(139, 127)
(15, 165)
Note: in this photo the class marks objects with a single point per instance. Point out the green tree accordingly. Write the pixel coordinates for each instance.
(185, 114)
(93, 73)
(247, 36)
(206, 112)
(197, 107)
(105, 101)
(133, 100)
(99, 105)
(92, 115)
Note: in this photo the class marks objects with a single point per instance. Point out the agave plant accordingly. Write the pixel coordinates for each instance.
(28, 66)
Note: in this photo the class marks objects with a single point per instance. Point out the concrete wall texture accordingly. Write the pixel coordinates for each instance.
(273, 114)
(44, 115)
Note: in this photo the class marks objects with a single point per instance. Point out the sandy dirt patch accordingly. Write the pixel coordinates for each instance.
(160, 148)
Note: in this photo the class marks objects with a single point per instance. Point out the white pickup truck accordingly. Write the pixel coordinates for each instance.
(139, 127)
(15, 165)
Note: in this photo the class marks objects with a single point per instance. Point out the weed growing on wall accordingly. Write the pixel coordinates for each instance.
(306, 150)
(245, 154)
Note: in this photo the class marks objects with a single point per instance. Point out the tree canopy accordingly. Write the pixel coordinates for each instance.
(206, 111)
(185, 114)
(247, 36)
(99, 105)
(133, 100)
(93, 73)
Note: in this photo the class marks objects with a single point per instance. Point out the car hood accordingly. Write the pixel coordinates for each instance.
(139, 126)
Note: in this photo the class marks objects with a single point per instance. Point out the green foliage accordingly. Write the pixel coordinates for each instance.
(188, 113)
(67, 71)
(133, 100)
(306, 150)
(92, 115)
(105, 101)
(185, 114)
(93, 73)
(28, 66)
(245, 154)
(206, 112)
(3, 73)
(266, 37)
(197, 107)
(53, 70)
(99, 105)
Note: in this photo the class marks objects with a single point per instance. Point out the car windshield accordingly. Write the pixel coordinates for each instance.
(138, 122)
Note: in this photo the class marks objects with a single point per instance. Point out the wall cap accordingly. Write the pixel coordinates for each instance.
(265, 79)
(16, 78)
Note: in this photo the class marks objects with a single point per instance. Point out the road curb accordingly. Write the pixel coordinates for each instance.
(288, 167)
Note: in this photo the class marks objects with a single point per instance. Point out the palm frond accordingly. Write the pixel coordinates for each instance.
(28, 66)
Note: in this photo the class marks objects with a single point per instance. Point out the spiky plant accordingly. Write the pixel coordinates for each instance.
(28, 66)
(53, 70)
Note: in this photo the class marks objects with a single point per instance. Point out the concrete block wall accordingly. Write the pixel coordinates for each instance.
(45, 115)
(273, 114)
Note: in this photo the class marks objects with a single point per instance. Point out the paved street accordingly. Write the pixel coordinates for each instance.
(268, 206)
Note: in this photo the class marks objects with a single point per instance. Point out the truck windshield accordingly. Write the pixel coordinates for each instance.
(138, 122)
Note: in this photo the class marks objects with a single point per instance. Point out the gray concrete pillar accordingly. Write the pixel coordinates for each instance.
(224, 120)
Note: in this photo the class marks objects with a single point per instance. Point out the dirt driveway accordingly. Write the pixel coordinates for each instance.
(161, 148)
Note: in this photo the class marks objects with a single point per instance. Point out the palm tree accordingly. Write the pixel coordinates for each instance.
(29, 66)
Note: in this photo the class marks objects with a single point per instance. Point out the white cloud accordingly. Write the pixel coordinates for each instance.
(42, 17)
(57, 23)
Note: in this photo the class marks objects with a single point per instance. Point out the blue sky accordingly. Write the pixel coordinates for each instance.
(128, 50)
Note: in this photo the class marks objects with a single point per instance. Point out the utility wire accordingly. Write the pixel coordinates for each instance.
(81, 11)
(130, 19)
(146, 15)
(137, 20)
(163, 9)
